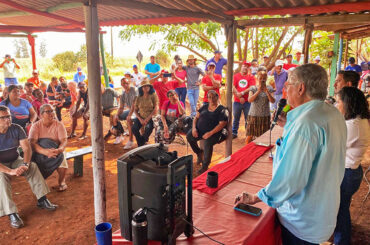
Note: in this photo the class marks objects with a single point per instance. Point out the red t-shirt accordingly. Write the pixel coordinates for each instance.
(208, 82)
(181, 75)
(241, 83)
(35, 81)
(288, 66)
(162, 88)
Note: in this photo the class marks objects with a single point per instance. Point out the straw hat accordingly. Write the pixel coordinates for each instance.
(191, 57)
(145, 82)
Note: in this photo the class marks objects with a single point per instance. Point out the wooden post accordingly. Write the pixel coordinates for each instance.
(96, 118)
(356, 51)
(333, 71)
(340, 56)
(106, 77)
(230, 31)
(31, 41)
(346, 54)
(307, 42)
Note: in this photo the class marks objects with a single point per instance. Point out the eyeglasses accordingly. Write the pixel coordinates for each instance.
(289, 83)
(49, 111)
(6, 117)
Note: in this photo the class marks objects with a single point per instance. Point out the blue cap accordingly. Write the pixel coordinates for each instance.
(218, 52)
(134, 66)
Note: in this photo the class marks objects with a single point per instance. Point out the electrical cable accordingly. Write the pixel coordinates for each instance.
(203, 232)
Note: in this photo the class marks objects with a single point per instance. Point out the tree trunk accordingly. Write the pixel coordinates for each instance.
(271, 59)
(192, 50)
(245, 50)
(255, 55)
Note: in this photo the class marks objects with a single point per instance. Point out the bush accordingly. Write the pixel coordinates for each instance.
(65, 61)
(163, 59)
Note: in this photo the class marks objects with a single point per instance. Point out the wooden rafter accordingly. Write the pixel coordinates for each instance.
(295, 21)
(41, 13)
(31, 29)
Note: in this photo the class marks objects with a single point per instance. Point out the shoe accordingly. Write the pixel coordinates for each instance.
(71, 136)
(46, 204)
(125, 133)
(107, 136)
(202, 170)
(118, 140)
(128, 145)
(82, 137)
(200, 158)
(235, 136)
(15, 220)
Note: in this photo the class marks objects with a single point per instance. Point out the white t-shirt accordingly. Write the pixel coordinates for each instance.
(9, 70)
(358, 139)
(138, 78)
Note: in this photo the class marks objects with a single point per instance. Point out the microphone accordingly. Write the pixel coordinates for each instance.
(281, 105)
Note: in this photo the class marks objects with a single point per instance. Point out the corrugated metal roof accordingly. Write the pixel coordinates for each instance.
(164, 11)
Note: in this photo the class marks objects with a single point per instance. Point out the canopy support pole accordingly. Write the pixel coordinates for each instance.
(230, 31)
(102, 53)
(340, 56)
(31, 41)
(333, 71)
(96, 118)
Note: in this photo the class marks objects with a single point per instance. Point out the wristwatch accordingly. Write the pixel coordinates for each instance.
(26, 164)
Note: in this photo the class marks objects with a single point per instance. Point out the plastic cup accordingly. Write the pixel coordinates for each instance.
(103, 233)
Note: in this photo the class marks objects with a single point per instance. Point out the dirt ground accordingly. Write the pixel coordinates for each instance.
(73, 222)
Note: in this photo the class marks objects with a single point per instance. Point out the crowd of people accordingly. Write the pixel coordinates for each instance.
(168, 102)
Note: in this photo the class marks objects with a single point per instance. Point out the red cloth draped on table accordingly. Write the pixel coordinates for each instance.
(227, 171)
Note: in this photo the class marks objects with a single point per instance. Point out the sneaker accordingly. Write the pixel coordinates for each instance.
(118, 140)
(128, 145)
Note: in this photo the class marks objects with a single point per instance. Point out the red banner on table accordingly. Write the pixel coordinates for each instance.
(228, 171)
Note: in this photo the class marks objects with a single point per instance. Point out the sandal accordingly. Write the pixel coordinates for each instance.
(82, 137)
(62, 187)
(71, 136)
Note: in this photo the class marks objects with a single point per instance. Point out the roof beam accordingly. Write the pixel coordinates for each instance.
(30, 29)
(149, 21)
(160, 9)
(41, 13)
(14, 35)
(55, 8)
(318, 9)
(296, 21)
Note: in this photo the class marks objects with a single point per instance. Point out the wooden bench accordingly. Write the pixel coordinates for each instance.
(78, 157)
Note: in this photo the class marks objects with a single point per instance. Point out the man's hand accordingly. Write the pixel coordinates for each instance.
(197, 83)
(194, 132)
(18, 171)
(238, 94)
(242, 100)
(166, 133)
(246, 198)
(51, 153)
(281, 119)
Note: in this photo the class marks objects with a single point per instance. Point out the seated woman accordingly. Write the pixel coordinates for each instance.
(258, 120)
(145, 108)
(210, 125)
(39, 101)
(355, 109)
(21, 110)
(48, 139)
(172, 112)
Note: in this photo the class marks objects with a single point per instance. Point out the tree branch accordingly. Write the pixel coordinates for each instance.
(246, 39)
(203, 37)
(239, 47)
(191, 50)
(276, 48)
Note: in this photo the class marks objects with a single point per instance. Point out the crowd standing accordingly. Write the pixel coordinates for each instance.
(159, 100)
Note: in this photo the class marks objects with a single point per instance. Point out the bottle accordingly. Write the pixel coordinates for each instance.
(140, 227)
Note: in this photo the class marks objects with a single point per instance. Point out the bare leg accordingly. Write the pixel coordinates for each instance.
(62, 176)
(74, 125)
(85, 126)
(129, 127)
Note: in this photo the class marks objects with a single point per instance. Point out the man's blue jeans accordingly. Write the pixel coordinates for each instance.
(181, 92)
(238, 108)
(350, 184)
(193, 96)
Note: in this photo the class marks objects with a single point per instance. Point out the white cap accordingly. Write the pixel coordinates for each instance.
(128, 73)
(317, 58)
(279, 63)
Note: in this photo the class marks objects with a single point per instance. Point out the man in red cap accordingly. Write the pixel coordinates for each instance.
(289, 63)
(211, 81)
(242, 82)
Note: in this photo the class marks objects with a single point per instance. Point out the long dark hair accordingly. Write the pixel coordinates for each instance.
(10, 88)
(355, 103)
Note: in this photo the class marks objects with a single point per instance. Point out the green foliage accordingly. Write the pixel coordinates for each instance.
(163, 59)
(81, 55)
(65, 61)
(320, 46)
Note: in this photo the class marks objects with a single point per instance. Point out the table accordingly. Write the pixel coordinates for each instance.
(214, 214)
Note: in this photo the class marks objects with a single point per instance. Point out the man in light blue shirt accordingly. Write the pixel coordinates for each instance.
(219, 61)
(308, 167)
(79, 76)
(152, 69)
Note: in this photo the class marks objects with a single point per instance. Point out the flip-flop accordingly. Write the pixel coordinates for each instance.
(83, 137)
(62, 187)
(71, 136)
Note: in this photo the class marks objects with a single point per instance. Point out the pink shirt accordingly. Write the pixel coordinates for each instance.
(181, 75)
(56, 131)
(172, 110)
(37, 104)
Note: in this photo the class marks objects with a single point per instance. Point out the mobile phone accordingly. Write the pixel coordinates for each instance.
(166, 74)
(248, 209)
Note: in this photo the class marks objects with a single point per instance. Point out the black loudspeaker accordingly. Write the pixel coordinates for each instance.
(152, 177)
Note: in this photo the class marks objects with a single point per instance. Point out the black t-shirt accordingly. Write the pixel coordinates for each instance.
(50, 90)
(208, 120)
(84, 97)
(9, 143)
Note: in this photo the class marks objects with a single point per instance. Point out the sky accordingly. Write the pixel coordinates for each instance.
(57, 42)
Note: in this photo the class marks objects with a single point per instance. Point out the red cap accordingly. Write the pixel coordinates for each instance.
(247, 63)
(164, 71)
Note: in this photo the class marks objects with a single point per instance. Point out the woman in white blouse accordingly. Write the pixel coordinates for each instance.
(355, 109)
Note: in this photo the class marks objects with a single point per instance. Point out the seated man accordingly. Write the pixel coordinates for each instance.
(125, 112)
(209, 124)
(11, 164)
(63, 98)
(172, 114)
(81, 112)
(108, 97)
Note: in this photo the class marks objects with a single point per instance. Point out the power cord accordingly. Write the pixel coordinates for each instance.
(202, 232)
